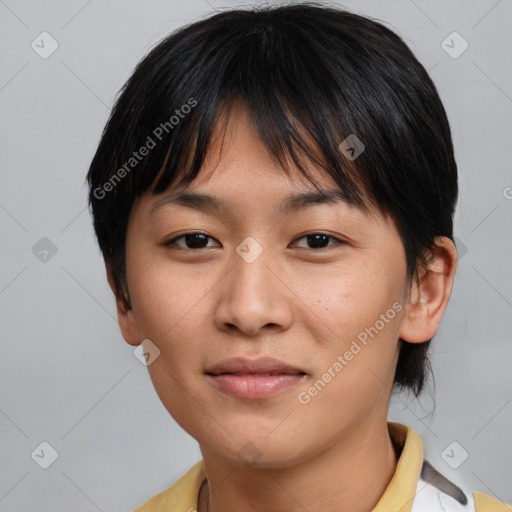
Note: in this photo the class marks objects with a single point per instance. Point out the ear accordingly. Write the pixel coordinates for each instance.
(125, 315)
(429, 294)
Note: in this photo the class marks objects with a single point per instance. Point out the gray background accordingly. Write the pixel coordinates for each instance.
(68, 377)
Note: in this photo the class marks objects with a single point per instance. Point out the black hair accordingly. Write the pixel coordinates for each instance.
(310, 76)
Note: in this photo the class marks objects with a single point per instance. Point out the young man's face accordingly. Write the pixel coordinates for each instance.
(333, 315)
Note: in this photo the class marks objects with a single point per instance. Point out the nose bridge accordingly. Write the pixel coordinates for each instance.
(251, 267)
(252, 296)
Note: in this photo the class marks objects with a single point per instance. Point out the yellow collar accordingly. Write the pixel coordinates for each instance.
(399, 494)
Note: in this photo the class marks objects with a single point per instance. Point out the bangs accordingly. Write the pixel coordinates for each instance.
(298, 122)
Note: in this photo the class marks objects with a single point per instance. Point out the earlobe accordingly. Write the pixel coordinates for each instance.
(429, 294)
(125, 315)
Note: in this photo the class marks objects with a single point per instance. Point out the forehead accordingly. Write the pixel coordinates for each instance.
(236, 143)
(239, 173)
(237, 156)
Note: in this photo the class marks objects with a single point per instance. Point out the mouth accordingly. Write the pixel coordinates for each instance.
(252, 379)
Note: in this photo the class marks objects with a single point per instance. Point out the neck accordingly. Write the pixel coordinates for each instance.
(351, 474)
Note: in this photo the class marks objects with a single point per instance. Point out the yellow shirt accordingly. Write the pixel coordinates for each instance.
(415, 487)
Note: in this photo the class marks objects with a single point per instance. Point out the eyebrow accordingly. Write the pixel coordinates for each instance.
(290, 204)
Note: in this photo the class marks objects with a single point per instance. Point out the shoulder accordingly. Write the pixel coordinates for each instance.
(436, 492)
(486, 503)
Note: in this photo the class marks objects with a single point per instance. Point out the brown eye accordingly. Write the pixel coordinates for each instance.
(319, 240)
(192, 241)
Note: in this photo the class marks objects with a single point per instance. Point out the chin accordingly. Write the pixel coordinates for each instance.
(260, 452)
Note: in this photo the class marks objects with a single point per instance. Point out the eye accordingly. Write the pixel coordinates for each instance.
(319, 240)
(197, 241)
(193, 240)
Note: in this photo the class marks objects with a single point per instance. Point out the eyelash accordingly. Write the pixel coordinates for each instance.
(172, 242)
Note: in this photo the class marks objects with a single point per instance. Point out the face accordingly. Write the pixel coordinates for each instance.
(318, 289)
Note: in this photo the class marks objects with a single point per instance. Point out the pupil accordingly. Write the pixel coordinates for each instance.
(195, 236)
(317, 242)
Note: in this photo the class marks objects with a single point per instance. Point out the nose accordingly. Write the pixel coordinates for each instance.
(253, 296)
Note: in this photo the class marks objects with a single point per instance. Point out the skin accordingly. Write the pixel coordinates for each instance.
(296, 303)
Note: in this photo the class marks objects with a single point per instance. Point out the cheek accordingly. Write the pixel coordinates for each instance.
(346, 299)
(165, 299)
(357, 314)
(168, 306)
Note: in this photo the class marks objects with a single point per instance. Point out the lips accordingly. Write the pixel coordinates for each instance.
(264, 366)
(254, 379)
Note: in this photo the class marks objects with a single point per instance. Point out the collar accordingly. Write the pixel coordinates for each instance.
(399, 494)
(401, 490)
